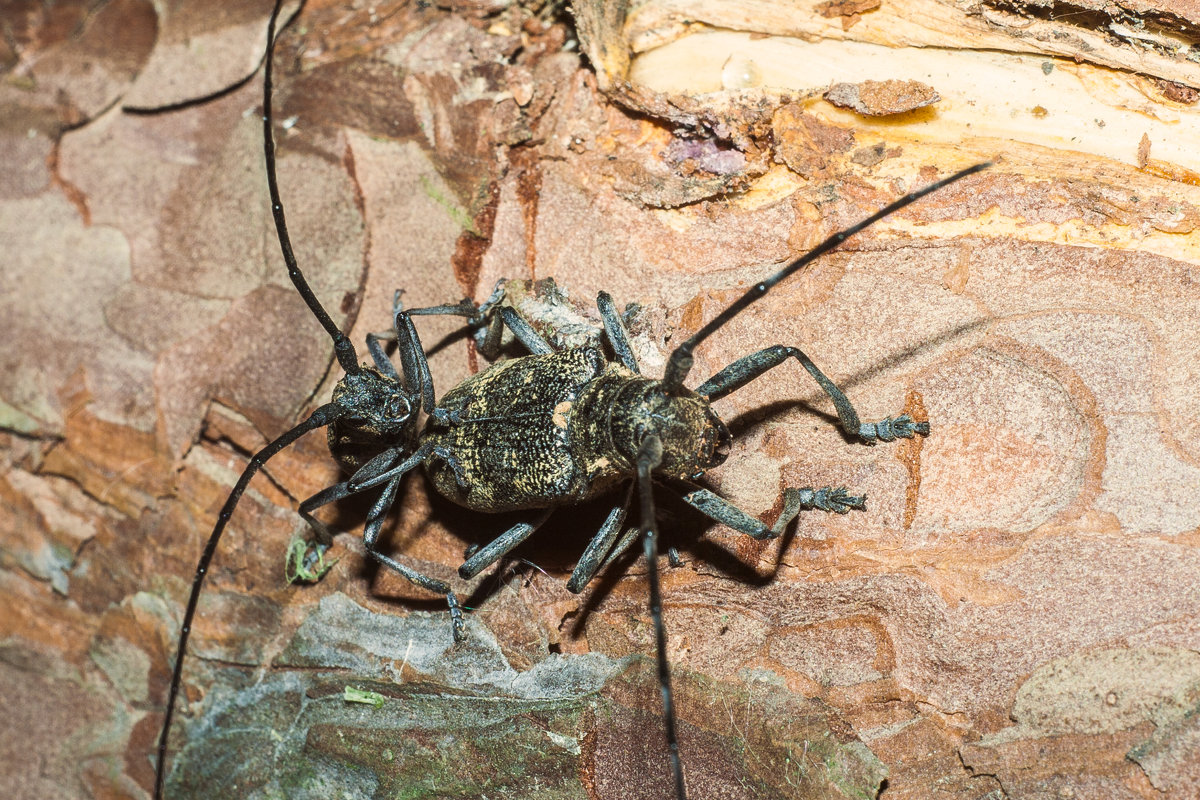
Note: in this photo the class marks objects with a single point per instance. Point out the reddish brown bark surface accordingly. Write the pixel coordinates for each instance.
(1014, 615)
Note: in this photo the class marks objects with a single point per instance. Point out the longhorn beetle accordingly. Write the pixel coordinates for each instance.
(536, 432)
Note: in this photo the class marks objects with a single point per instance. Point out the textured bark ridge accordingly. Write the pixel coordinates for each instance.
(1016, 612)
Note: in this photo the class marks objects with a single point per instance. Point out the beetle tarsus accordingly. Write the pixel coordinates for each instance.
(830, 499)
(889, 429)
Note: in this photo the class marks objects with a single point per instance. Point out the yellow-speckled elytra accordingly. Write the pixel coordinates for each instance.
(582, 418)
(535, 432)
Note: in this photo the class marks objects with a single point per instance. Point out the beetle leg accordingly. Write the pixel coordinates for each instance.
(489, 345)
(395, 472)
(490, 553)
(746, 369)
(485, 308)
(614, 328)
(375, 520)
(524, 332)
(600, 545)
(378, 470)
(413, 362)
(304, 567)
(372, 469)
(507, 317)
(794, 501)
(649, 457)
(379, 355)
(498, 317)
(626, 541)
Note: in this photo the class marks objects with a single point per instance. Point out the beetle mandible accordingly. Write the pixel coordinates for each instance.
(537, 432)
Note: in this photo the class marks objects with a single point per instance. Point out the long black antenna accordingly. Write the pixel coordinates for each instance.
(680, 363)
(321, 417)
(343, 348)
(649, 457)
(324, 415)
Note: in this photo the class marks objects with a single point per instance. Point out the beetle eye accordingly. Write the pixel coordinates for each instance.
(397, 407)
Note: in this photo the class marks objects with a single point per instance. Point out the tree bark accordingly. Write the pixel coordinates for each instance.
(1015, 613)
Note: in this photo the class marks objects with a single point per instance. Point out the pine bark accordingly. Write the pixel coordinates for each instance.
(1014, 615)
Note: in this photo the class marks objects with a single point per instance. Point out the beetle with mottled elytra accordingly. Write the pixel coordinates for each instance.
(537, 432)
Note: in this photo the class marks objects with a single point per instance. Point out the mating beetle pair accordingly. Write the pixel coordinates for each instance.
(536, 432)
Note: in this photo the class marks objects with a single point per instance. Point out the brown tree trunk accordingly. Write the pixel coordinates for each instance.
(1015, 613)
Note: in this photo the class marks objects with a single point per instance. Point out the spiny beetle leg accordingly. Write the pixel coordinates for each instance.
(718, 508)
(746, 369)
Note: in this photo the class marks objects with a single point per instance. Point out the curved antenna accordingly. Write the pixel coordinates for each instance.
(347, 358)
(320, 418)
(680, 362)
(343, 348)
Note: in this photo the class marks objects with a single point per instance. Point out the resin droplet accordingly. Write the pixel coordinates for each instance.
(740, 72)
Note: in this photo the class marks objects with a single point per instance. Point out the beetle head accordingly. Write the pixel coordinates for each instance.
(376, 412)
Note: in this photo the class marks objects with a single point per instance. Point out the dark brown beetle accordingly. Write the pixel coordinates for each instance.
(537, 432)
